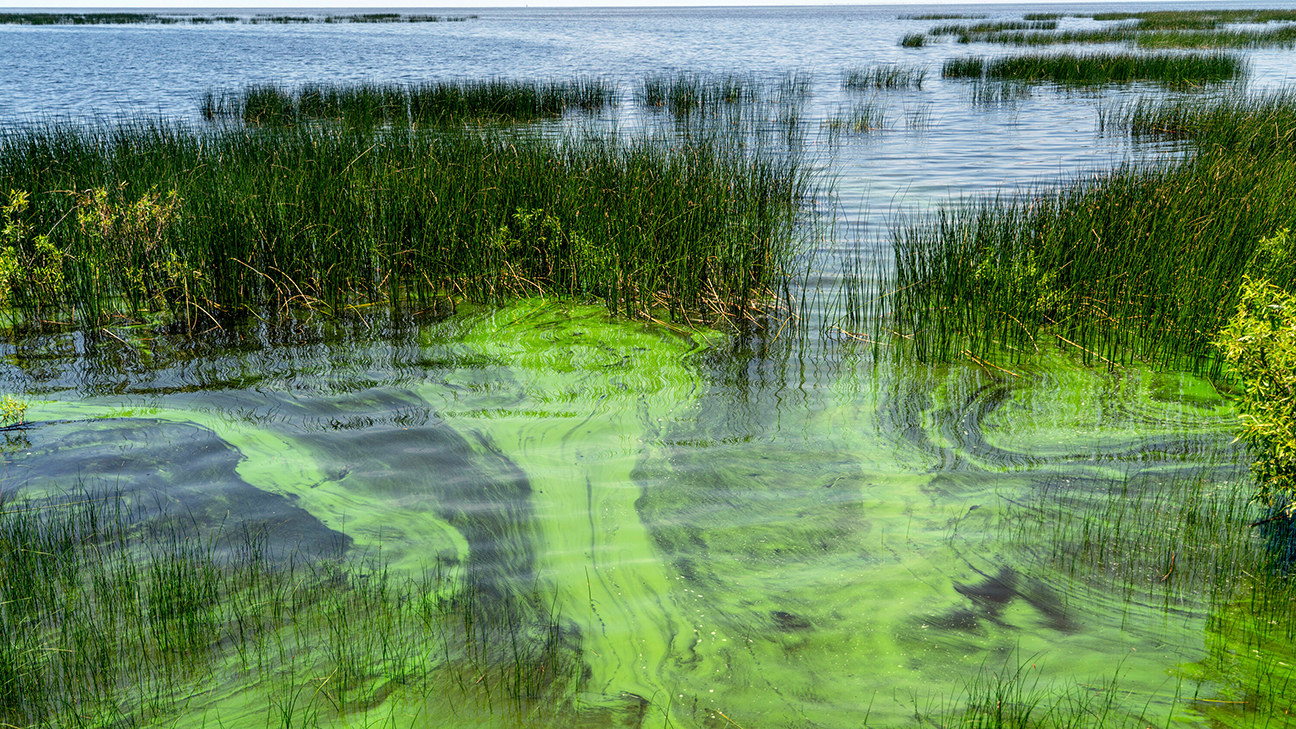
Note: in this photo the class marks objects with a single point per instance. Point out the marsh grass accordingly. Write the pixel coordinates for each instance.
(153, 219)
(1150, 536)
(913, 40)
(1015, 695)
(969, 29)
(998, 93)
(1252, 123)
(862, 117)
(86, 19)
(1196, 19)
(111, 611)
(433, 103)
(892, 76)
(1171, 69)
(1140, 262)
(943, 16)
(1162, 29)
(687, 93)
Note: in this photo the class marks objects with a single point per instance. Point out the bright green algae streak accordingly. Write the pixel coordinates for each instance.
(739, 538)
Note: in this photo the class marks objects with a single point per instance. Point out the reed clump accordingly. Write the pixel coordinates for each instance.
(892, 76)
(1171, 69)
(1141, 262)
(943, 16)
(966, 30)
(913, 40)
(1251, 123)
(686, 93)
(862, 117)
(86, 19)
(156, 219)
(371, 104)
(1161, 29)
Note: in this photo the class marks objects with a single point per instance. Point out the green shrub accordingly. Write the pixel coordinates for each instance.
(1259, 344)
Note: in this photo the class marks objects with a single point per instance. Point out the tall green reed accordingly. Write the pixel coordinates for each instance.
(1172, 69)
(443, 102)
(152, 217)
(1140, 262)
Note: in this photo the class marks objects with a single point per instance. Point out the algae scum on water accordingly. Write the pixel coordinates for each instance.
(461, 404)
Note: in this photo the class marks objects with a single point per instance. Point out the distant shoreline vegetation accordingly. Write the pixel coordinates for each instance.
(1151, 29)
(176, 18)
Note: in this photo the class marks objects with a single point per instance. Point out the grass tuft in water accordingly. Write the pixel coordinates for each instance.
(894, 76)
(371, 104)
(685, 93)
(913, 40)
(862, 117)
(1097, 68)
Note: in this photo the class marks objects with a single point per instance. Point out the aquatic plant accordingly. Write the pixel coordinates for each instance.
(862, 117)
(332, 217)
(12, 411)
(85, 19)
(943, 16)
(684, 93)
(913, 40)
(966, 30)
(1126, 264)
(963, 67)
(371, 104)
(1259, 344)
(1241, 122)
(1094, 68)
(1278, 36)
(893, 76)
(992, 93)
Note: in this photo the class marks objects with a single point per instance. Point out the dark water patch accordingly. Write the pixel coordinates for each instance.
(995, 591)
(471, 485)
(789, 622)
(166, 469)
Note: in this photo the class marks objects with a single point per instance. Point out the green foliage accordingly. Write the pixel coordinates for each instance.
(29, 264)
(12, 410)
(1259, 344)
(132, 239)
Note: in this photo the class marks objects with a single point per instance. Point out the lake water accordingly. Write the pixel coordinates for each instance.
(755, 531)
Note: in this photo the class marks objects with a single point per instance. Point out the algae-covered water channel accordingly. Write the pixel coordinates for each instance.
(711, 531)
(676, 397)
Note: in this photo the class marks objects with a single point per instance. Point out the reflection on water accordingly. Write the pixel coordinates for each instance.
(751, 532)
